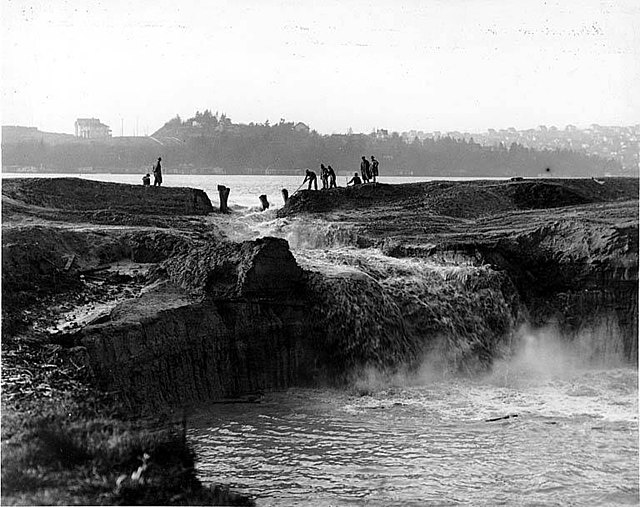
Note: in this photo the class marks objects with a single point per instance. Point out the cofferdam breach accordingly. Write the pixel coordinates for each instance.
(458, 265)
(567, 250)
(163, 303)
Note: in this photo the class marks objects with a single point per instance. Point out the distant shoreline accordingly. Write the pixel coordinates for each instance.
(64, 174)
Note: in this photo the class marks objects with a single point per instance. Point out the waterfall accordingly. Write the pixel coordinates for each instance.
(386, 312)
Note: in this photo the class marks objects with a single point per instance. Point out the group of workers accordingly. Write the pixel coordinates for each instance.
(157, 175)
(368, 170)
(327, 175)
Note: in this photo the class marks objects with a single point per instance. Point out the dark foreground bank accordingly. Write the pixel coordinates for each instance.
(66, 441)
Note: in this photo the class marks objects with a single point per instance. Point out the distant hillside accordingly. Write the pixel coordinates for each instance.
(15, 134)
(26, 149)
(617, 143)
(211, 143)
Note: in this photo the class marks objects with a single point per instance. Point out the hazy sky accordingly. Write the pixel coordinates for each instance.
(427, 65)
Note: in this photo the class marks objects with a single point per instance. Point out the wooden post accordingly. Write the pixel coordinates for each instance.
(285, 195)
(264, 202)
(224, 195)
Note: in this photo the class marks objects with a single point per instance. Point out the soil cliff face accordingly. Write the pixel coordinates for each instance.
(579, 274)
(197, 350)
(227, 320)
(215, 319)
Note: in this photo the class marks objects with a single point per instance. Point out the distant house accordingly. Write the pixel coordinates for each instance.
(91, 128)
(301, 127)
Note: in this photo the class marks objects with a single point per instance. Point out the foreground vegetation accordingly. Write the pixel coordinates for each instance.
(64, 442)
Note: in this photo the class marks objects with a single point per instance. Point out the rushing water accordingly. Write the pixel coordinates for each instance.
(428, 442)
(423, 438)
(420, 438)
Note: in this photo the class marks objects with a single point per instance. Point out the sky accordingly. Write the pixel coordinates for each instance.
(429, 65)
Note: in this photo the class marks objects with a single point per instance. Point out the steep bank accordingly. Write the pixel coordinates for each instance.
(570, 247)
(64, 440)
(216, 319)
(222, 320)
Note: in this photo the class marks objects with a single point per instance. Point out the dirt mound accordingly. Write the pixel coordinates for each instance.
(532, 194)
(360, 196)
(466, 199)
(77, 194)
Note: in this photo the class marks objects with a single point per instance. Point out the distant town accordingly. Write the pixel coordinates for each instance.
(620, 144)
(211, 143)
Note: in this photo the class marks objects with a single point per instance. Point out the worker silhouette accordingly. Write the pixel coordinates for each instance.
(157, 173)
(332, 177)
(355, 180)
(312, 178)
(374, 168)
(324, 176)
(364, 169)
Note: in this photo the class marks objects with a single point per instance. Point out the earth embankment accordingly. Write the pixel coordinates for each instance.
(560, 252)
(137, 294)
(570, 246)
(77, 194)
(464, 199)
(73, 252)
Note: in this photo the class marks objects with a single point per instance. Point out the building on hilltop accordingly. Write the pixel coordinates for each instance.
(91, 128)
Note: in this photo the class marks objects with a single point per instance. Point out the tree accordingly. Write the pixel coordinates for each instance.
(174, 122)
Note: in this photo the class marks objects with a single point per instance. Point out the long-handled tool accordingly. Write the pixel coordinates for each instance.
(299, 187)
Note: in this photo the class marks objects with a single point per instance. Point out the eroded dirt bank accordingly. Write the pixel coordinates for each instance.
(187, 315)
(73, 251)
(139, 298)
(570, 247)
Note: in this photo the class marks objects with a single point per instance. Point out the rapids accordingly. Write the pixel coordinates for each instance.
(425, 441)
(431, 433)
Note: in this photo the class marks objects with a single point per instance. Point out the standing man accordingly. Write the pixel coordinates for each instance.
(332, 177)
(157, 173)
(364, 169)
(374, 168)
(324, 176)
(312, 178)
